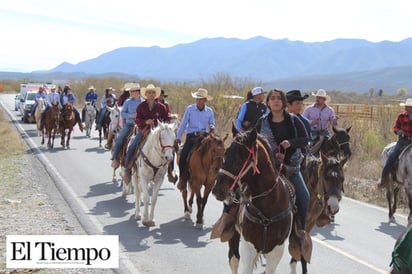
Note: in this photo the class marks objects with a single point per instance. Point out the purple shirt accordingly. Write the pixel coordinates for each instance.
(325, 116)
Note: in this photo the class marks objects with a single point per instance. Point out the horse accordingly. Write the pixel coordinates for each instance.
(399, 176)
(337, 144)
(114, 126)
(104, 129)
(66, 123)
(266, 200)
(51, 120)
(324, 179)
(41, 106)
(401, 256)
(90, 117)
(151, 167)
(205, 160)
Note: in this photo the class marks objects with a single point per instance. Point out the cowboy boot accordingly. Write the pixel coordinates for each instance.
(224, 228)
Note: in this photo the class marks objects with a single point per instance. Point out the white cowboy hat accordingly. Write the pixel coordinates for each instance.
(321, 93)
(201, 93)
(91, 87)
(150, 87)
(131, 86)
(408, 103)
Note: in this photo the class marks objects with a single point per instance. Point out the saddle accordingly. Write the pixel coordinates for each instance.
(145, 133)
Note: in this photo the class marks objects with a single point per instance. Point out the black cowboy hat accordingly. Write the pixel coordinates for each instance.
(162, 92)
(295, 95)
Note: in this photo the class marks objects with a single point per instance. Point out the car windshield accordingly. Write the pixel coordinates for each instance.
(31, 96)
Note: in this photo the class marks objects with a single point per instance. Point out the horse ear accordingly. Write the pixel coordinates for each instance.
(234, 130)
(334, 129)
(348, 129)
(252, 136)
(225, 138)
(343, 161)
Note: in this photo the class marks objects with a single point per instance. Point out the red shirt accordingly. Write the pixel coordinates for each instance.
(403, 122)
(158, 113)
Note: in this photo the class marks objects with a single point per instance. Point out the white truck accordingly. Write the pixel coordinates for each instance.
(28, 96)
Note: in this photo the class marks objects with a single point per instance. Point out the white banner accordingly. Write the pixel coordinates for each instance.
(62, 251)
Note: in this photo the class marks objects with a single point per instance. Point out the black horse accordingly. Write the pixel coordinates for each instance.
(338, 144)
(104, 129)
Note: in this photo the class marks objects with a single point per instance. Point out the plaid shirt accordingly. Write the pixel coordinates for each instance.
(403, 122)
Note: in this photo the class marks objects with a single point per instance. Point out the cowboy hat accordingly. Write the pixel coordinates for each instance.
(295, 95)
(131, 86)
(150, 87)
(321, 93)
(408, 103)
(201, 93)
(91, 87)
(162, 92)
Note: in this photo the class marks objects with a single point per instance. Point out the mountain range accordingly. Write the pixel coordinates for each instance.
(342, 64)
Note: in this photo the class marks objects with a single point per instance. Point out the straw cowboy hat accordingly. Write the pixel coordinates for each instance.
(321, 93)
(131, 86)
(408, 103)
(201, 93)
(91, 87)
(150, 87)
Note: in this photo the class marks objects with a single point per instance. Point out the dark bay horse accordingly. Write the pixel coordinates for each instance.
(66, 123)
(337, 144)
(51, 124)
(400, 176)
(205, 161)
(324, 179)
(104, 129)
(266, 201)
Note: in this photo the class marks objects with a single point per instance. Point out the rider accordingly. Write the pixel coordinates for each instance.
(92, 97)
(251, 110)
(148, 114)
(52, 98)
(129, 114)
(402, 128)
(68, 97)
(197, 120)
(41, 94)
(162, 99)
(108, 96)
(320, 115)
(295, 103)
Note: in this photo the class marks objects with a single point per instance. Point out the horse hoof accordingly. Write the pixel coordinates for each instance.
(149, 223)
(138, 217)
(199, 226)
(392, 219)
(187, 215)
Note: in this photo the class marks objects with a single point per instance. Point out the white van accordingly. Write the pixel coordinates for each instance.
(28, 97)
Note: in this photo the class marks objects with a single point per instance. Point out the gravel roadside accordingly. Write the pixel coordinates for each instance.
(30, 204)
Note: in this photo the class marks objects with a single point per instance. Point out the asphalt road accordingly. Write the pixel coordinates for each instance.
(360, 241)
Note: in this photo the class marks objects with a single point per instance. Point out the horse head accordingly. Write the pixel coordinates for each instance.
(68, 112)
(165, 133)
(213, 147)
(341, 141)
(114, 118)
(331, 176)
(242, 160)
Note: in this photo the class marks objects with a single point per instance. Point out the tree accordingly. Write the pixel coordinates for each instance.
(402, 92)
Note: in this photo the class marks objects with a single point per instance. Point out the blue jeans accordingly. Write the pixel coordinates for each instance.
(121, 138)
(190, 140)
(33, 109)
(102, 112)
(132, 147)
(392, 157)
(302, 196)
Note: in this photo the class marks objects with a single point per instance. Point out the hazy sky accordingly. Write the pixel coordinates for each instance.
(41, 34)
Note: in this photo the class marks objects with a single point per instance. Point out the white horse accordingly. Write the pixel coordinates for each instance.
(41, 106)
(151, 167)
(90, 117)
(400, 176)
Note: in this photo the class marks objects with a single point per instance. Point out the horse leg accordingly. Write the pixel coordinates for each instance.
(187, 211)
(146, 200)
(304, 265)
(100, 137)
(63, 135)
(137, 194)
(409, 195)
(293, 264)
(199, 203)
(273, 258)
(42, 139)
(248, 257)
(233, 254)
(391, 207)
(153, 201)
(68, 139)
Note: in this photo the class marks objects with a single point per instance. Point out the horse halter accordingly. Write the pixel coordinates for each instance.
(250, 162)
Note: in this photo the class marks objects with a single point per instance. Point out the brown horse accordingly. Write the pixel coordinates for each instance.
(205, 160)
(266, 201)
(51, 120)
(66, 123)
(324, 179)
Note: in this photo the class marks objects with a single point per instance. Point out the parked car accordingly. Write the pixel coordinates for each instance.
(26, 104)
(17, 102)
